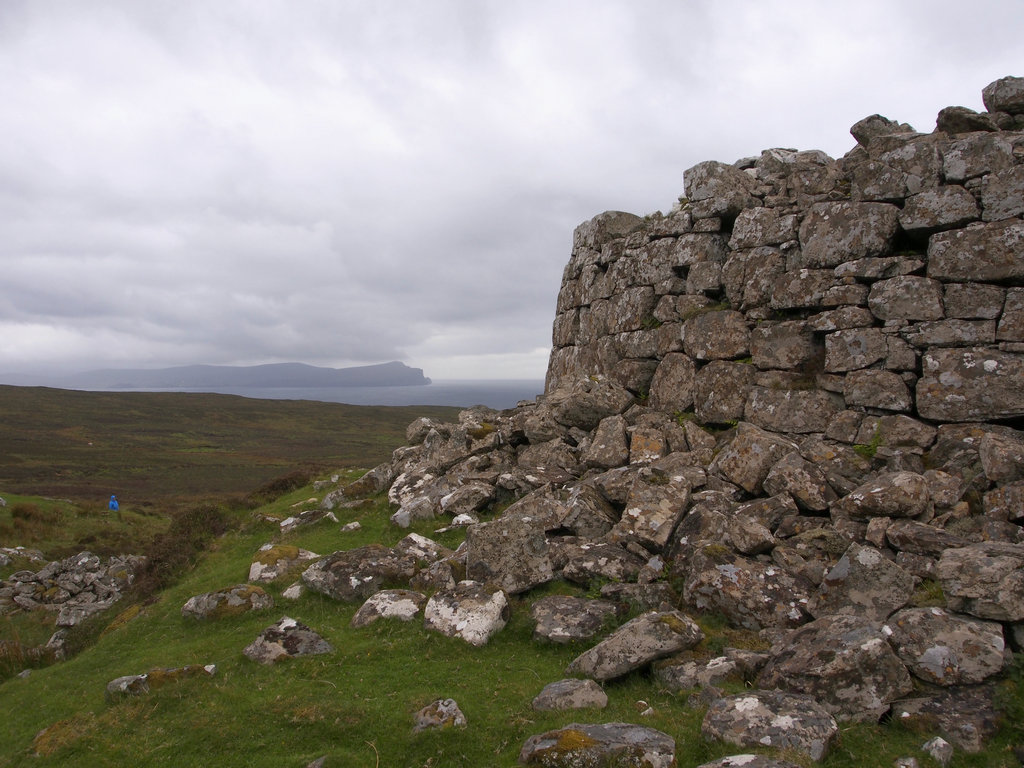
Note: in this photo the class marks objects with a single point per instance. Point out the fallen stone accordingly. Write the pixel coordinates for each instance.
(862, 583)
(571, 694)
(964, 715)
(439, 715)
(470, 612)
(355, 574)
(620, 744)
(567, 619)
(984, 580)
(401, 604)
(275, 561)
(942, 648)
(774, 719)
(636, 644)
(286, 640)
(232, 601)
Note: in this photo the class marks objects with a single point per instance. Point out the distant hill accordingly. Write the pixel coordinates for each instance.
(393, 374)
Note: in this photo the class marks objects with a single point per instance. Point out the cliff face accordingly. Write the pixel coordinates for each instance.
(787, 289)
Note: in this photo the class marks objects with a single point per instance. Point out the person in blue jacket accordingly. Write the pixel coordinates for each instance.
(113, 503)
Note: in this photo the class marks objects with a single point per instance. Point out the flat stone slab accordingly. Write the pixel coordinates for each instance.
(571, 693)
(772, 718)
(620, 744)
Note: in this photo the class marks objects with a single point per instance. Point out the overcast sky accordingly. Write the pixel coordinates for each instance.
(343, 183)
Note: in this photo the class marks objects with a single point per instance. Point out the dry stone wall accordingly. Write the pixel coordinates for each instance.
(791, 289)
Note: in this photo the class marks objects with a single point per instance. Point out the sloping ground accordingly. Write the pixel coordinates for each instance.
(355, 705)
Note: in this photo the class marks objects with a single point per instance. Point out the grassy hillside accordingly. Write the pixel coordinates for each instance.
(355, 705)
(151, 448)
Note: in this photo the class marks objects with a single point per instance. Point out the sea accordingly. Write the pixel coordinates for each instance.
(499, 394)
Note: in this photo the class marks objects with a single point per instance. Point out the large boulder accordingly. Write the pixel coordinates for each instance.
(567, 619)
(972, 384)
(571, 693)
(401, 604)
(845, 662)
(863, 583)
(285, 640)
(353, 575)
(942, 648)
(636, 644)
(510, 553)
(776, 719)
(984, 580)
(275, 561)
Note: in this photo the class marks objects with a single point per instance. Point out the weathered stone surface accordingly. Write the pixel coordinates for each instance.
(720, 335)
(672, 385)
(619, 744)
(844, 662)
(720, 391)
(946, 649)
(783, 345)
(602, 561)
(1002, 194)
(955, 120)
(877, 389)
(796, 289)
(567, 619)
(973, 301)
(971, 156)
(724, 189)
(854, 348)
(401, 604)
(762, 226)
(605, 227)
(509, 553)
(587, 401)
(795, 411)
(802, 480)
(772, 718)
(470, 611)
(966, 715)
(971, 384)
(439, 715)
(355, 574)
(920, 538)
(906, 298)
(750, 593)
(1004, 95)
(749, 276)
(938, 209)
(571, 694)
(285, 640)
(984, 580)
(836, 232)
(655, 505)
(750, 455)
(1002, 456)
(232, 601)
(983, 253)
(872, 127)
(748, 761)
(610, 446)
(638, 642)
(1011, 321)
(862, 583)
(890, 494)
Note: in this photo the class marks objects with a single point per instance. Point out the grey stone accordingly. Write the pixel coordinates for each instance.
(602, 561)
(638, 642)
(802, 480)
(937, 209)
(772, 718)
(1002, 456)
(401, 604)
(906, 298)
(439, 715)
(956, 120)
(832, 233)
(609, 448)
(1011, 322)
(877, 389)
(353, 575)
(672, 385)
(1002, 194)
(946, 649)
(800, 288)
(571, 694)
(619, 744)
(285, 640)
(567, 619)
(509, 553)
(921, 539)
(984, 580)
(750, 455)
(981, 253)
(233, 601)
(975, 155)
(725, 190)
(720, 391)
(862, 583)
(1004, 95)
(470, 612)
(973, 384)
(844, 662)
(854, 348)
(965, 715)
(655, 505)
(799, 411)
(951, 333)
(719, 335)
(748, 761)
(762, 226)
(973, 300)
(890, 494)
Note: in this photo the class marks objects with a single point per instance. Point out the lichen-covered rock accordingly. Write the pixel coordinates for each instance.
(844, 662)
(750, 455)
(672, 385)
(232, 601)
(510, 553)
(748, 761)
(946, 649)
(285, 640)
(470, 612)
(620, 744)
(567, 619)
(401, 604)
(862, 583)
(571, 693)
(720, 391)
(439, 715)
(719, 335)
(275, 561)
(610, 446)
(602, 561)
(984, 580)
(655, 505)
(983, 253)
(793, 411)
(966, 715)
(1004, 95)
(353, 575)
(636, 644)
(772, 718)
(802, 480)
(836, 232)
(890, 494)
